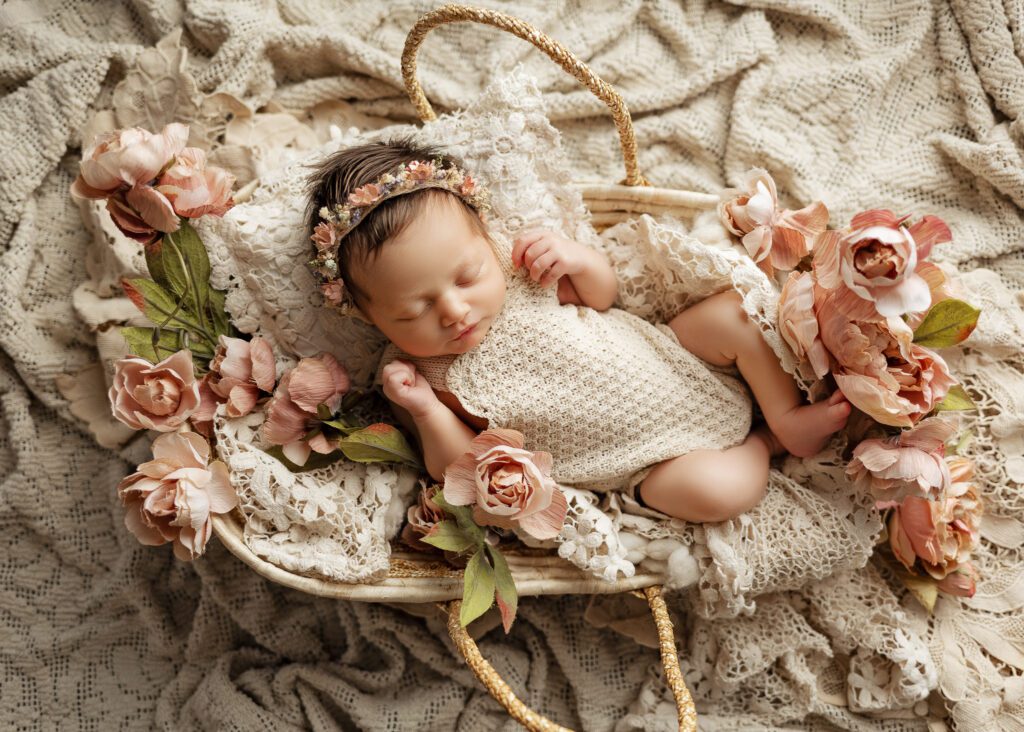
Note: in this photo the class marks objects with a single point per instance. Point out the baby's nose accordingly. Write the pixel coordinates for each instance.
(455, 311)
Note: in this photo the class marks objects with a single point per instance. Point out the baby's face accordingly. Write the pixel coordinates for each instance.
(432, 282)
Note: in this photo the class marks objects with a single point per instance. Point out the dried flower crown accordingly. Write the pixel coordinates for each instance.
(337, 222)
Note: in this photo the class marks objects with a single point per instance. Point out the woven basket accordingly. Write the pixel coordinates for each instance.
(422, 578)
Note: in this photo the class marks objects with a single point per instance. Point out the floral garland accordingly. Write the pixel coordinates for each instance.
(862, 308)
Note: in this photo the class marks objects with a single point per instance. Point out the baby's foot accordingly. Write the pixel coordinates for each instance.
(804, 430)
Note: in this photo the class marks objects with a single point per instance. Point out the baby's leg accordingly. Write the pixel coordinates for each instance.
(711, 485)
(718, 331)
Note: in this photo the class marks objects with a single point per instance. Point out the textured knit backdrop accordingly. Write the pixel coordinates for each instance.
(907, 104)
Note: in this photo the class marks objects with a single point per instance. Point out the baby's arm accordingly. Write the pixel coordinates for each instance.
(549, 257)
(442, 435)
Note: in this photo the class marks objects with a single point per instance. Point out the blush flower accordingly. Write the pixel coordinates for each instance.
(878, 260)
(420, 170)
(507, 485)
(292, 411)
(334, 291)
(195, 190)
(878, 367)
(239, 371)
(468, 185)
(798, 321)
(775, 240)
(365, 195)
(155, 397)
(910, 464)
(171, 497)
(421, 517)
(125, 159)
(325, 236)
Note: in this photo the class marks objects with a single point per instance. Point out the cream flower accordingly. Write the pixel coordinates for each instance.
(775, 240)
(292, 411)
(911, 463)
(878, 259)
(171, 497)
(195, 190)
(507, 485)
(156, 397)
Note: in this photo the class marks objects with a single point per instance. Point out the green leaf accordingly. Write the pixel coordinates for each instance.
(956, 399)
(186, 264)
(314, 461)
(924, 588)
(504, 588)
(219, 314)
(965, 441)
(322, 412)
(341, 425)
(140, 343)
(159, 305)
(379, 442)
(946, 324)
(477, 590)
(449, 536)
(463, 515)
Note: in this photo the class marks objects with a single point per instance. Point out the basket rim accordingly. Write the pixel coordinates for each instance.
(570, 580)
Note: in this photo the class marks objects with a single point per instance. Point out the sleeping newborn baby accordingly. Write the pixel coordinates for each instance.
(486, 332)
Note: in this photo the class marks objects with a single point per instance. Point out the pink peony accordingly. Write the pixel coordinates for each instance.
(126, 159)
(156, 397)
(878, 367)
(941, 533)
(774, 239)
(422, 516)
(291, 412)
(195, 190)
(365, 195)
(878, 260)
(171, 497)
(509, 485)
(911, 463)
(798, 322)
(239, 371)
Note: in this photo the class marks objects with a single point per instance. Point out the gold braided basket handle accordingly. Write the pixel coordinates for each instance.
(560, 54)
(537, 723)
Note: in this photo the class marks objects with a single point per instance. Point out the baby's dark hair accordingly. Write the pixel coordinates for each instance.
(334, 178)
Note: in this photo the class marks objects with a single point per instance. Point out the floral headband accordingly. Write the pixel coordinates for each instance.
(338, 222)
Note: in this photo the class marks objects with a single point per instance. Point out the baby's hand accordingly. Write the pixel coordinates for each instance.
(548, 256)
(407, 388)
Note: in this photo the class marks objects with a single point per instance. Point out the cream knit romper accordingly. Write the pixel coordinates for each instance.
(608, 394)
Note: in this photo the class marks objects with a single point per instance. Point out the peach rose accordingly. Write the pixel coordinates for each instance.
(156, 397)
(774, 239)
(171, 497)
(239, 371)
(911, 463)
(878, 367)
(422, 516)
(420, 170)
(798, 322)
(509, 486)
(365, 195)
(878, 259)
(126, 159)
(291, 412)
(941, 533)
(195, 190)
(325, 236)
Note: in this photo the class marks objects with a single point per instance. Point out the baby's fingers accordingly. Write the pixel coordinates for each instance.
(523, 243)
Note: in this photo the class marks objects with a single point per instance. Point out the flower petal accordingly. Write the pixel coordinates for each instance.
(547, 524)
(928, 232)
(153, 208)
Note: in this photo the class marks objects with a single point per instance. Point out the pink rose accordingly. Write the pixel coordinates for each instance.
(325, 236)
(774, 239)
(156, 397)
(171, 497)
(195, 190)
(941, 533)
(911, 463)
(125, 159)
(291, 412)
(798, 321)
(365, 195)
(878, 260)
(509, 485)
(878, 367)
(419, 170)
(422, 516)
(239, 371)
